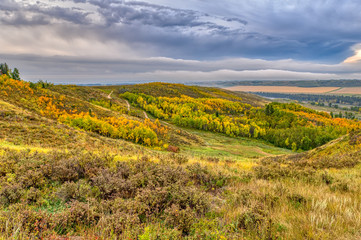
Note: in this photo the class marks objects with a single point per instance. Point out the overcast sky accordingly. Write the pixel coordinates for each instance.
(113, 41)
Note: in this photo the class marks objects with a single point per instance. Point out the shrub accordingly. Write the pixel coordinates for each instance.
(118, 223)
(340, 185)
(74, 191)
(297, 200)
(181, 219)
(10, 193)
(205, 177)
(68, 169)
(112, 184)
(77, 215)
(160, 232)
(179, 158)
(173, 149)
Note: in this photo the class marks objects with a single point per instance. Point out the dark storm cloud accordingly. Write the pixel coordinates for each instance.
(292, 30)
(71, 15)
(8, 5)
(20, 19)
(148, 14)
(123, 40)
(262, 29)
(13, 13)
(167, 18)
(325, 29)
(181, 33)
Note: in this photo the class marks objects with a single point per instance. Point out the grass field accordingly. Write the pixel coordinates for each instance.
(296, 90)
(223, 148)
(349, 90)
(283, 89)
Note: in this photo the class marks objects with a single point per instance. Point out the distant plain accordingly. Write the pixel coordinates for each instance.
(305, 90)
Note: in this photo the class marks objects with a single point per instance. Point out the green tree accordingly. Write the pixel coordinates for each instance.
(306, 143)
(287, 142)
(269, 109)
(4, 69)
(15, 74)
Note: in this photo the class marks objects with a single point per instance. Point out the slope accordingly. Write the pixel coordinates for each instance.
(177, 90)
(64, 173)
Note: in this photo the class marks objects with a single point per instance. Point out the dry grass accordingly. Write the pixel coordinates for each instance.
(348, 90)
(283, 89)
(243, 204)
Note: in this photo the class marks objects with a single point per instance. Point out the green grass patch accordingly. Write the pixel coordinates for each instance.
(222, 146)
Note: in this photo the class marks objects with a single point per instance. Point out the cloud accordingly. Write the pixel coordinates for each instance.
(254, 29)
(357, 55)
(116, 40)
(305, 30)
(16, 14)
(104, 70)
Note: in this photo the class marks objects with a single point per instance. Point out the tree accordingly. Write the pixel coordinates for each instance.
(4, 69)
(287, 142)
(15, 74)
(306, 143)
(269, 109)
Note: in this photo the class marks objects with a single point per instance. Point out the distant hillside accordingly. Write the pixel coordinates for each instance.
(177, 90)
(285, 125)
(122, 112)
(304, 83)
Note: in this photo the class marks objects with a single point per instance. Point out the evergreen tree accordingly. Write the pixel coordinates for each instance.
(4, 69)
(15, 74)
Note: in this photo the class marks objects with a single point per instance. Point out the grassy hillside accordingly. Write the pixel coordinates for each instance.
(284, 125)
(177, 90)
(80, 163)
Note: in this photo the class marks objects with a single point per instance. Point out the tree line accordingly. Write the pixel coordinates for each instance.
(329, 99)
(5, 70)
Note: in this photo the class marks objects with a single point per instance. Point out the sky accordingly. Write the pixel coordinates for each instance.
(114, 41)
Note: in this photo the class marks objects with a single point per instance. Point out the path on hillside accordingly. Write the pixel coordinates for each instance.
(117, 101)
(258, 150)
(128, 105)
(109, 96)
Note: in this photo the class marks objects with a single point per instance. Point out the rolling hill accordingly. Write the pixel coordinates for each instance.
(169, 161)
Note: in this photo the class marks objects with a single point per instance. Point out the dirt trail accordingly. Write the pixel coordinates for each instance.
(262, 152)
(109, 96)
(145, 115)
(128, 105)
